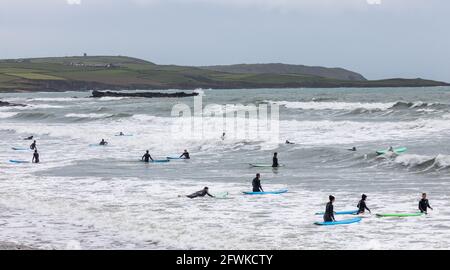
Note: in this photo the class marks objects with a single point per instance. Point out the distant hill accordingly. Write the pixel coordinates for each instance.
(330, 73)
(127, 73)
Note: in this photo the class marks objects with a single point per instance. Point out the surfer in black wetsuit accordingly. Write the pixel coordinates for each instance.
(352, 149)
(223, 136)
(121, 134)
(256, 183)
(33, 146)
(29, 138)
(362, 207)
(146, 157)
(201, 193)
(424, 204)
(35, 157)
(288, 142)
(103, 142)
(329, 210)
(275, 160)
(185, 155)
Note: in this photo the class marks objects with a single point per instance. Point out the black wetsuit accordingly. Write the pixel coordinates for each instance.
(362, 207)
(275, 162)
(146, 157)
(424, 205)
(256, 183)
(185, 156)
(36, 157)
(329, 213)
(33, 146)
(29, 138)
(103, 143)
(201, 193)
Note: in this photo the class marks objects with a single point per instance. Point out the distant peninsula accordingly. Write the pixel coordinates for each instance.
(80, 73)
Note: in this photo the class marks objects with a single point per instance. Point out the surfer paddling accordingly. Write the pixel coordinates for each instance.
(201, 193)
(103, 142)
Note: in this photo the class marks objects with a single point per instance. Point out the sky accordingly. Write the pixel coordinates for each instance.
(377, 38)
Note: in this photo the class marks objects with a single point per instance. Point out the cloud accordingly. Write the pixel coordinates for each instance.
(74, 2)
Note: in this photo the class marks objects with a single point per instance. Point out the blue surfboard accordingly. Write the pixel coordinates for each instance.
(157, 161)
(339, 222)
(266, 192)
(18, 161)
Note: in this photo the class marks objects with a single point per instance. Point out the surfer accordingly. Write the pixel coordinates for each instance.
(288, 142)
(223, 136)
(391, 149)
(103, 142)
(362, 207)
(147, 157)
(33, 145)
(275, 160)
(201, 193)
(352, 149)
(29, 138)
(121, 134)
(35, 157)
(185, 155)
(424, 204)
(329, 210)
(256, 183)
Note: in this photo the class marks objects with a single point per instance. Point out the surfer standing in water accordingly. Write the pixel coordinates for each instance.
(424, 204)
(275, 160)
(256, 183)
(223, 136)
(185, 155)
(362, 207)
(147, 157)
(33, 146)
(201, 193)
(35, 157)
(329, 210)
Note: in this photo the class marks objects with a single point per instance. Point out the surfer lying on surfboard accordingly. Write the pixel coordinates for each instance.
(256, 183)
(201, 193)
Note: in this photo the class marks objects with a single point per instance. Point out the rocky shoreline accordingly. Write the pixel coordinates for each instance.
(99, 94)
(7, 104)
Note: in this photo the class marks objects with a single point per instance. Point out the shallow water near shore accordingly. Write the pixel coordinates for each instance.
(104, 198)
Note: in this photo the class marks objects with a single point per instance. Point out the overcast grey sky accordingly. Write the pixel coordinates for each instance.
(378, 38)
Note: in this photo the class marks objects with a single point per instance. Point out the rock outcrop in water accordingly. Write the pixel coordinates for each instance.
(99, 94)
(7, 104)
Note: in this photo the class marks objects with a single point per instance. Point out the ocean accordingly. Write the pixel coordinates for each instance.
(104, 198)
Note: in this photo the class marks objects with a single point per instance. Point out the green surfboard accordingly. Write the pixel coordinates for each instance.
(400, 215)
(396, 150)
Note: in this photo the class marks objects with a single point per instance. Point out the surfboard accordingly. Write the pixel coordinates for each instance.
(265, 192)
(175, 158)
(157, 161)
(339, 222)
(95, 145)
(20, 149)
(264, 165)
(221, 195)
(18, 161)
(396, 150)
(401, 215)
(125, 135)
(350, 212)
